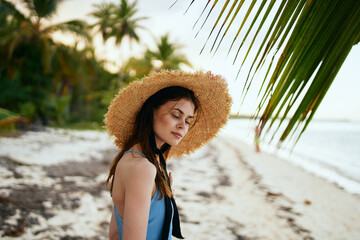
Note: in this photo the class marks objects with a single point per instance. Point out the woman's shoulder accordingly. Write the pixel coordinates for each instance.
(137, 175)
(143, 166)
(135, 165)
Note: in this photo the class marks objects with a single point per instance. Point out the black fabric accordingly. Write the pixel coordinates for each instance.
(176, 231)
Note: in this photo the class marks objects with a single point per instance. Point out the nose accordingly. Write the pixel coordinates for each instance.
(181, 124)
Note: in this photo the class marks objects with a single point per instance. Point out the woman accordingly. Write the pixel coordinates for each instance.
(169, 113)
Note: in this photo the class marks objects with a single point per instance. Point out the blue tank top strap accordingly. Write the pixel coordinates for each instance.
(131, 150)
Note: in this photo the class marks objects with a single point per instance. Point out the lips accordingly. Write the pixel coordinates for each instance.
(177, 135)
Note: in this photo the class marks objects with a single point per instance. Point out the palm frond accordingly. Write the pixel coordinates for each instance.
(43, 8)
(117, 21)
(78, 27)
(307, 40)
(201, 13)
(167, 53)
(223, 24)
(232, 20)
(9, 9)
(217, 21)
(211, 9)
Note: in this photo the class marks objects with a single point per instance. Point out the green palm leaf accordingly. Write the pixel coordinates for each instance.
(232, 19)
(76, 27)
(42, 8)
(211, 9)
(167, 54)
(7, 9)
(308, 41)
(201, 12)
(222, 11)
(227, 17)
(104, 15)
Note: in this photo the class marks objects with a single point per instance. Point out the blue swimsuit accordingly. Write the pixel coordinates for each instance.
(156, 216)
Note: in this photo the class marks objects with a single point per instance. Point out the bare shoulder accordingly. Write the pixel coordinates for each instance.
(133, 166)
(143, 167)
(134, 178)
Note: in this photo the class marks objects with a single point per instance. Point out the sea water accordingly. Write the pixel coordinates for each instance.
(329, 149)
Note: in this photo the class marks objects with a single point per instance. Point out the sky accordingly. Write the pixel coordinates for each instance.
(342, 101)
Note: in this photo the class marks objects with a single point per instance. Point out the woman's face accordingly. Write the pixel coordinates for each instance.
(172, 121)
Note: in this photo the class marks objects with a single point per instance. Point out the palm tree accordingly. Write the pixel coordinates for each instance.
(308, 42)
(117, 21)
(166, 55)
(20, 28)
(77, 75)
(105, 17)
(135, 68)
(27, 48)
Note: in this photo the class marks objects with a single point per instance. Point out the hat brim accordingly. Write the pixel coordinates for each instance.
(210, 89)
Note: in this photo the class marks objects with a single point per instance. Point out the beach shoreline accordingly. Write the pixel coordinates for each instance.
(312, 206)
(225, 190)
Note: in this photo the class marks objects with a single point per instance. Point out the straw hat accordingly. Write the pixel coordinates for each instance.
(210, 89)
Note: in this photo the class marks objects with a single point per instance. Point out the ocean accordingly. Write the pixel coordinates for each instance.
(329, 149)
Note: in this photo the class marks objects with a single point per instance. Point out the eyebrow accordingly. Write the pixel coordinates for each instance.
(178, 109)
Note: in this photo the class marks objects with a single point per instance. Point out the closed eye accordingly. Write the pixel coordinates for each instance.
(177, 117)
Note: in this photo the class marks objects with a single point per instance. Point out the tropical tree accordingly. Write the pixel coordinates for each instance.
(18, 28)
(84, 82)
(118, 21)
(166, 55)
(105, 17)
(27, 48)
(307, 41)
(135, 68)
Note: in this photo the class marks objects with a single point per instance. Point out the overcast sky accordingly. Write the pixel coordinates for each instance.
(342, 100)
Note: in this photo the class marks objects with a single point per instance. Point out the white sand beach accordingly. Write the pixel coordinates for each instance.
(51, 187)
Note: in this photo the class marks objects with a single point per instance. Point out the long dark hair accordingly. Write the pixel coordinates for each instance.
(143, 129)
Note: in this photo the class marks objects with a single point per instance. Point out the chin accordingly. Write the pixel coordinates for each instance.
(173, 142)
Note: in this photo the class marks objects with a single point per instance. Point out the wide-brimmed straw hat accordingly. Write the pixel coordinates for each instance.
(210, 89)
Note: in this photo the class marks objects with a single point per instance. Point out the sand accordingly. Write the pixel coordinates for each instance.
(224, 191)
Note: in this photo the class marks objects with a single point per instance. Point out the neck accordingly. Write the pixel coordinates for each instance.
(158, 142)
(137, 147)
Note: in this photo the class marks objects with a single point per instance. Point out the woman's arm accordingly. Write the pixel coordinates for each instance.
(138, 191)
